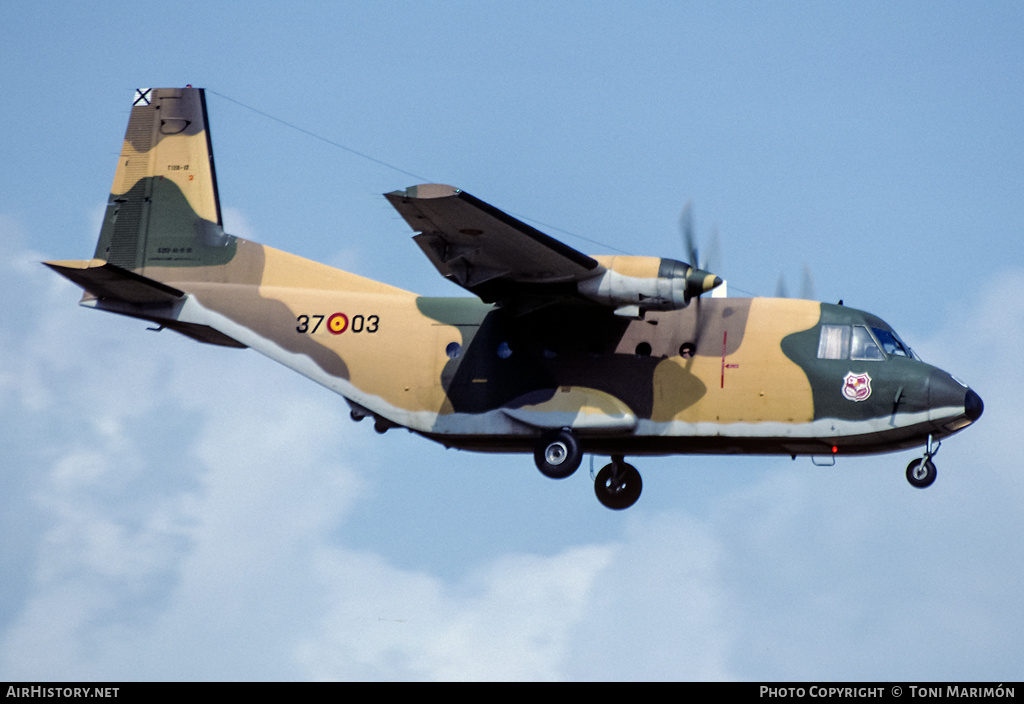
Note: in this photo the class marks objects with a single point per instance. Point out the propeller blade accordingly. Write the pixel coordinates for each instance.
(686, 228)
(712, 252)
(780, 287)
(807, 288)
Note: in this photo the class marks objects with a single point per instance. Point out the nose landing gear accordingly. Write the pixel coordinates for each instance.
(921, 472)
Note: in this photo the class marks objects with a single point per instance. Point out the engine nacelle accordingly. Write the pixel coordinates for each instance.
(632, 285)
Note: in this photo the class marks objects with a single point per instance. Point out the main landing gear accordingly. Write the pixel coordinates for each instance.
(558, 455)
(618, 484)
(921, 472)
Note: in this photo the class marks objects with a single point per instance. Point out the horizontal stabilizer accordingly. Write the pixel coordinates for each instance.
(112, 283)
(121, 291)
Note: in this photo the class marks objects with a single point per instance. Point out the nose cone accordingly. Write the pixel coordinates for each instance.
(952, 405)
(945, 393)
(973, 405)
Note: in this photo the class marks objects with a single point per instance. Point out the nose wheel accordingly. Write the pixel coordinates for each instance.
(618, 485)
(921, 472)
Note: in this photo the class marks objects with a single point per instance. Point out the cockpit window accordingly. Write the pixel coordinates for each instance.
(834, 342)
(862, 345)
(891, 343)
(856, 342)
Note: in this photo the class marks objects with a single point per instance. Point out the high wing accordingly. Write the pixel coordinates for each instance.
(489, 252)
(505, 261)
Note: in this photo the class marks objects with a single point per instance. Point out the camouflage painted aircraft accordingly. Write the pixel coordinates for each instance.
(556, 353)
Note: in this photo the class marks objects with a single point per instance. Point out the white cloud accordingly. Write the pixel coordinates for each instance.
(660, 609)
(511, 619)
(235, 223)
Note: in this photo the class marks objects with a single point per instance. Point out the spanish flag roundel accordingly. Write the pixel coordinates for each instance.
(337, 323)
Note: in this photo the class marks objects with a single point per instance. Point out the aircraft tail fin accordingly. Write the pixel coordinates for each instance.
(164, 209)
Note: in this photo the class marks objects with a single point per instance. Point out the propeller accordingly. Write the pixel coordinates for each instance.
(807, 290)
(700, 280)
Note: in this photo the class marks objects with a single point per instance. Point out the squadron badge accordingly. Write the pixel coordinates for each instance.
(856, 387)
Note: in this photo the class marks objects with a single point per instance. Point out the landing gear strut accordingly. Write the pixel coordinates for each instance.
(618, 484)
(558, 454)
(921, 472)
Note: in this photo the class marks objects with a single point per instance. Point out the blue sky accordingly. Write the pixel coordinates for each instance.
(176, 511)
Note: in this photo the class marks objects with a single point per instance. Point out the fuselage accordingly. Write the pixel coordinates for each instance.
(727, 375)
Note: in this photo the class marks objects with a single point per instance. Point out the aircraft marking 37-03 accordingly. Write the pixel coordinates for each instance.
(556, 353)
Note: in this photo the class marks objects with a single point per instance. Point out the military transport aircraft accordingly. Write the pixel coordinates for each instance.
(556, 353)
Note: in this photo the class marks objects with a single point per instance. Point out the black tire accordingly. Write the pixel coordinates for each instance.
(558, 454)
(623, 491)
(921, 473)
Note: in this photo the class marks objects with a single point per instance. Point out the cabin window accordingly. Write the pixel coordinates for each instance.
(834, 342)
(863, 346)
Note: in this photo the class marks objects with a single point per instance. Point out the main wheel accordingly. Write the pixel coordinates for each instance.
(558, 454)
(618, 486)
(921, 473)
